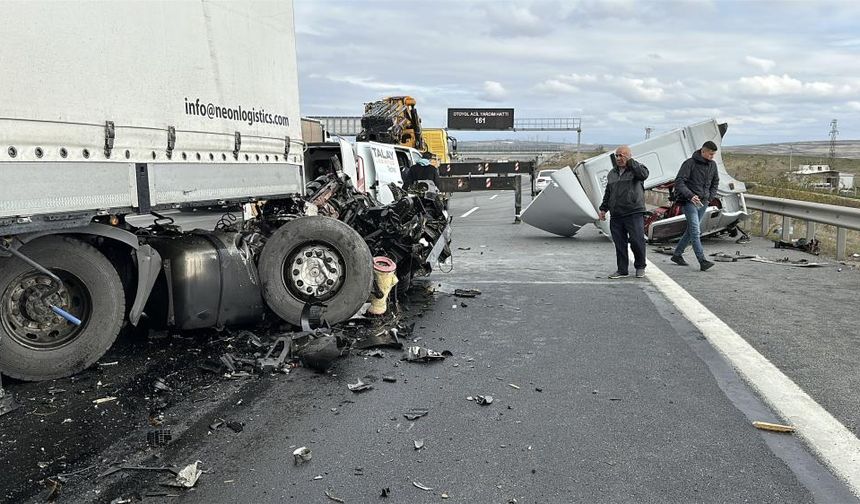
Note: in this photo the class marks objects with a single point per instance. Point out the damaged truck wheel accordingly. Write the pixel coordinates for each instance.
(37, 344)
(316, 260)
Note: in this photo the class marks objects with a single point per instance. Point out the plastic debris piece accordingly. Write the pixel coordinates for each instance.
(236, 427)
(422, 487)
(122, 500)
(484, 400)
(418, 443)
(320, 353)
(332, 497)
(538, 389)
(514, 386)
(359, 386)
(104, 400)
(188, 476)
(389, 379)
(467, 293)
(317, 477)
(385, 492)
(421, 354)
(773, 427)
(219, 422)
(158, 437)
(302, 454)
(372, 353)
(415, 413)
(444, 496)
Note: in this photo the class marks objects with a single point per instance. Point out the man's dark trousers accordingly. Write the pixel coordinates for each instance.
(629, 229)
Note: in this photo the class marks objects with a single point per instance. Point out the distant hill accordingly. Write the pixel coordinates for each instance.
(844, 149)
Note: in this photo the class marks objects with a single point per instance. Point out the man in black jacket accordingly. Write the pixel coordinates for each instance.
(624, 199)
(695, 186)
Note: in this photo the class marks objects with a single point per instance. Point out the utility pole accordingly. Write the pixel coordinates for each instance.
(648, 131)
(833, 132)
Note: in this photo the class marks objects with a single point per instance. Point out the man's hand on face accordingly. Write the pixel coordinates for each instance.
(602, 215)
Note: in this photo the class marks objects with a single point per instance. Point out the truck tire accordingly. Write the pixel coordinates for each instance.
(37, 345)
(315, 260)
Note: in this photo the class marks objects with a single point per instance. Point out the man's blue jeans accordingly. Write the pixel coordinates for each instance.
(693, 233)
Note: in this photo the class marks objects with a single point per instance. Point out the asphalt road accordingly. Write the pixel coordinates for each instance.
(602, 392)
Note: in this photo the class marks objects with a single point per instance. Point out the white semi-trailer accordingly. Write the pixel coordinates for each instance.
(111, 109)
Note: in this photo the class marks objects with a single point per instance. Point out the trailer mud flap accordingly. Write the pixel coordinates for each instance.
(148, 268)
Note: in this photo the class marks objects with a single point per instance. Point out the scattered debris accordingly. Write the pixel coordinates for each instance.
(187, 477)
(158, 437)
(422, 487)
(517, 387)
(389, 379)
(484, 400)
(358, 471)
(275, 357)
(812, 246)
(359, 386)
(785, 261)
(104, 400)
(385, 492)
(332, 497)
(317, 477)
(122, 500)
(219, 422)
(372, 353)
(302, 454)
(236, 427)
(160, 386)
(773, 427)
(320, 352)
(444, 495)
(105, 364)
(467, 293)
(538, 389)
(416, 413)
(421, 354)
(117, 469)
(418, 443)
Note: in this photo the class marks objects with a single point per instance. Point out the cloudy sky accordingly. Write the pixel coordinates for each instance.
(774, 70)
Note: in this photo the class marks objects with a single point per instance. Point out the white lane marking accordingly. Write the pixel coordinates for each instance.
(837, 446)
(469, 212)
(494, 196)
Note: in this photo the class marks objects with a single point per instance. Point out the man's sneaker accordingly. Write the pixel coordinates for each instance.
(617, 275)
(706, 264)
(640, 273)
(679, 260)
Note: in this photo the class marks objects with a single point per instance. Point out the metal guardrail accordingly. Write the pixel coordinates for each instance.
(843, 218)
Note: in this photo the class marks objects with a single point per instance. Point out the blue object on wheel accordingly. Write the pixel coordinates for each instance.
(66, 315)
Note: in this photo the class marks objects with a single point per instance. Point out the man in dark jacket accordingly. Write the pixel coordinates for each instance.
(422, 170)
(695, 186)
(624, 199)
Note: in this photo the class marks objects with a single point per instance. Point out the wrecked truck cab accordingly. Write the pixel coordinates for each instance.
(380, 166)
(575, 194)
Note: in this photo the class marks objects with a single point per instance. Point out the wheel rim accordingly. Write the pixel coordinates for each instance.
(314, 272)
(28, 320)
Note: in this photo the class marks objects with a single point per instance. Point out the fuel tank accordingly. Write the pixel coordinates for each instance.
(211, 280)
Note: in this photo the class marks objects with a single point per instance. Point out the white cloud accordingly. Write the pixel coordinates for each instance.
(506, 20)
(555, 87)
(764, 64)
(853, 105)
(785, 85)
(494, 92)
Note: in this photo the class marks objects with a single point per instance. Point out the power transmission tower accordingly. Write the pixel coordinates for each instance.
(648, 131)
(833, 133)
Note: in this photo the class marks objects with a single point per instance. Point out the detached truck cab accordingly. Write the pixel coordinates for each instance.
(114, 109)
